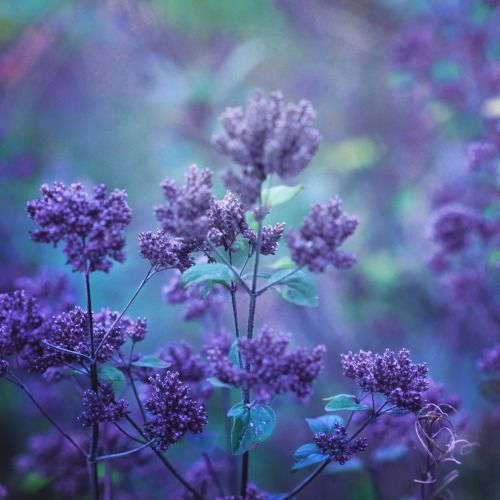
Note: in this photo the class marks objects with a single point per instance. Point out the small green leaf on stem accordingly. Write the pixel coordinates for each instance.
(325, 423)
(280, 194)
(308, 454)
(344, 402)
(110, 373)
(217, 383)
(207, 272)
(298, 288)
(251, 425)
(150, 362)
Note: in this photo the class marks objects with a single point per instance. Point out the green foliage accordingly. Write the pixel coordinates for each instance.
(344, 402)
(298, 288)
(324, 424)
(110, 373)
(251, 425)
(279, 194)
(207, 272)
(306, 455)
(150, 362)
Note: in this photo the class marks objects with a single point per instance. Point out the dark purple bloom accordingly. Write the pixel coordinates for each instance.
(102, 407)
(452, 226)
(322, 232)
(51, 455)
(227, 221)
(265, 139)
(185, 212)
(398, 378)
(173, 410)
(4, 367)
(270, 238)
(164, 252)
(337, 445)
(22, 326)
(272, 370)
(90, 226)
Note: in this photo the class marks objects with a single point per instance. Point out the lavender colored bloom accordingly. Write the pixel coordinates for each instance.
(22, 326)
(321, 233)
(136, 330)
(480, 152)
(452, 226)
(175, 413)
(463, 286)
(91, 227)
(272, 370)
(52, 456)
(490, 362)
(337, 445)
(270, 238)
(398, 378)
(194, 306)
(4, 367)
(102, 407)
(265, 139)
(414, 47)
(227, 221)
(164, 252)
(435, 396)
(53, 294)
(70, 331)
(185, 212)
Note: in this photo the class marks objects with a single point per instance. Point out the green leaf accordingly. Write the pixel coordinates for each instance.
(283, 263)
(233, 355)
(397, 412)
(217, 383)
(34, 482)
(207, 272)
(344, 402)
(298, 288)
(150, 362)
(324, 424)
(206, 289)
(280, 194)
(389, 453)
(308, 454)
(250, 426)
(110, 373)
(254, 226)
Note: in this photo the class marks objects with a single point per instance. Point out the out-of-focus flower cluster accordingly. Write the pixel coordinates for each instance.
(490, 362)
(272, 370)
(252, 493)
(337, 445)
(266, 139)
(322, 232)
(173, 410)
(397, 378)
(90, 226)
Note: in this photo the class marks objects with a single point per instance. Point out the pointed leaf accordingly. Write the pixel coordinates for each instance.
(110, 373)
(283, 263)
(308, 454)
(150, 362)
(344, 402)
(280, 194)
(207, 272)
(217, 383)
(233, 355)
(250, 426)
(324, 424)
(298, 288)
(206, 289)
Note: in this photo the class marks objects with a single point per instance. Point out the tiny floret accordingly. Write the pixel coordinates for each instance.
(337, 445)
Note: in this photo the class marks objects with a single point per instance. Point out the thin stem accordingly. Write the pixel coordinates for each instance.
(79, 354)
(20, 384)
(125, 433)
(244, 474)
(124, 310)
(228, 264)
(94, 385)
(232, 289)
(232, 475)
(167, 464)
(125, 453)
(132, 382)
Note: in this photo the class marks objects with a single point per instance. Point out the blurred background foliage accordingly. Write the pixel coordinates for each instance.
(127, 92)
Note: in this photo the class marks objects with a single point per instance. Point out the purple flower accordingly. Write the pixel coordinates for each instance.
(337, 445)
(90, 226)
(398, 378)
(272, 370)
(478, 153)
(252, 493)
(175, 413)
(270, 238)
(102, 407)
(185, 212)
(490, 362)
(4, 367)
(164, 252)
(265, 139)
(321, 233)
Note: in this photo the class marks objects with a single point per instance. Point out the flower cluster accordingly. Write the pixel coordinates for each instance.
(164, 252)
(338, 446)
(91, 227)
(174, 411)
(102, 407)
(70, 333)
(22, 326)
(321, 233)
(265, 139)
(398, 378)
(185, 213)
(272, 370)
(490, 362)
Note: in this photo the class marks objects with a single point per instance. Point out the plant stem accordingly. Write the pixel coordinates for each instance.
(94, 385)
(125, 453)
(124, 310)
(291, 273)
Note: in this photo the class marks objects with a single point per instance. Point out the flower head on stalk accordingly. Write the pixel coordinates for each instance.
(266, 138)
(337, 445)
(90, 226)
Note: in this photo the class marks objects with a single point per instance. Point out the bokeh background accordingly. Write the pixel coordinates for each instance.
(127, 92)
